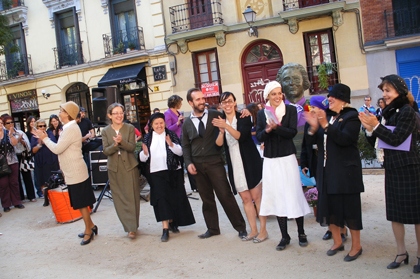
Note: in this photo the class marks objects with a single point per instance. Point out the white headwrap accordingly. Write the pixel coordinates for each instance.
(281, 109)
(269, 87)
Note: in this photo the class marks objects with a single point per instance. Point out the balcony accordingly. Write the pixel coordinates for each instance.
(124, 41)
(296, 4)
(188, 17)
(402, 22)
(12, 4)
(15, 66)
(322, 77)
(68, 55)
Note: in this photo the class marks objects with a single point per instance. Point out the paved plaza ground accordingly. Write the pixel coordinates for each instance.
(33, 245)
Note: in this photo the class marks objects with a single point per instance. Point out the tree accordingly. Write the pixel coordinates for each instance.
(6, 35)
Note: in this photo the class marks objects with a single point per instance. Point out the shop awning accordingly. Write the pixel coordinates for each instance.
(121, 75)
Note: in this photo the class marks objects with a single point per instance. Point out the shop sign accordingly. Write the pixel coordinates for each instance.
(23, 101)
(210, 89)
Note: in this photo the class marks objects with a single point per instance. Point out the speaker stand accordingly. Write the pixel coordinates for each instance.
(106, 191)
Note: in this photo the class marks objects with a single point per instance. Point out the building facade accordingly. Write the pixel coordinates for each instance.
(217, 50)
(92, 52)
(392, 42)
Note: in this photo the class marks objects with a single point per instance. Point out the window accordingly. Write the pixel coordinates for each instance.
(406, 17)
(123, 18)
(69, 50)
(321, 60)
(206, 69)
(16, 60)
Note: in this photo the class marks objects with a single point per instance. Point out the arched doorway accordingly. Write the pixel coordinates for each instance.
(260, 63)
(80, 94)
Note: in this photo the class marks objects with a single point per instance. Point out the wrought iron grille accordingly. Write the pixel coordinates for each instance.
(15, 66)
(68, 55)
(402, 22)
(192, 16)
(131, 39)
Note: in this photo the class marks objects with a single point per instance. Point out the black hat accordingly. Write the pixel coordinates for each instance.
(340, 91)
(397, 82)
(153, 117)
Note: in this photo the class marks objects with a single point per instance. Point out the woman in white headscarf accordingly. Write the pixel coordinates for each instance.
(282, 194)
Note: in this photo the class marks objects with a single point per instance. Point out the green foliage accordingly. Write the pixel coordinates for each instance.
(6, 36)
(323, 76)
(367, 152)
(119, 48)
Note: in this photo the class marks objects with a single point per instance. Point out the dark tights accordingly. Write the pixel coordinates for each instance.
(283, 226)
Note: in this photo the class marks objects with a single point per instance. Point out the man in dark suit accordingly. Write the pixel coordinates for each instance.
(203, 159)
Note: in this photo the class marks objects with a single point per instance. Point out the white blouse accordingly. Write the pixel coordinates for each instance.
(158, 149)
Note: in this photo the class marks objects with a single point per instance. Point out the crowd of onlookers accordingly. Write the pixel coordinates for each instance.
(258, 146)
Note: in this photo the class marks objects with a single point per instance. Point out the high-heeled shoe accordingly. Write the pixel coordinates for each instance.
(84, 242)
(396, 264)
(94, 230)
(416, 268)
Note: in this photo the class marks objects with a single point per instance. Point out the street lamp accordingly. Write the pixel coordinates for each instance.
(250, 15)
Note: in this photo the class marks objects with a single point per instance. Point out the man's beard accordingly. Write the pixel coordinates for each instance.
(197, 109)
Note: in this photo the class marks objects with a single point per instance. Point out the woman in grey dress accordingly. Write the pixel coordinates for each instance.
(119, 143)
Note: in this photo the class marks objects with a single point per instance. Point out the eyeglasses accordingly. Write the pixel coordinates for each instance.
(228, 102)
(117, 113)
(42, 126)
(7, 123)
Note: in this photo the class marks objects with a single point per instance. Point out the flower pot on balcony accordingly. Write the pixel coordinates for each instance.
(21, 73)
(315, 210)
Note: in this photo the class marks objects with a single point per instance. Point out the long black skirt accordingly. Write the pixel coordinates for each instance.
(169, 199)
(339, 209)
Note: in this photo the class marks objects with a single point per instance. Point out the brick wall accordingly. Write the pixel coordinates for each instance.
(373, 20)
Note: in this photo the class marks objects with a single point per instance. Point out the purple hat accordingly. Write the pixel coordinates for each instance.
(319, 102)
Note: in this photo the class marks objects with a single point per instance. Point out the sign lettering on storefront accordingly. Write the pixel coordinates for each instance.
(23, 101)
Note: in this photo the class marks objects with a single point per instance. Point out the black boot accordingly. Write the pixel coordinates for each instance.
(165, 235)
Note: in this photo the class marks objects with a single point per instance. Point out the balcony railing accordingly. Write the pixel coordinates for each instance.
(123, 41)
(12, 4)
(322, 78)
(402, 22)
(15, 66)
(296, 4)
(188, 16)
(68, 55)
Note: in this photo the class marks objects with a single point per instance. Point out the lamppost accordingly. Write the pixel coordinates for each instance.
(250, 15)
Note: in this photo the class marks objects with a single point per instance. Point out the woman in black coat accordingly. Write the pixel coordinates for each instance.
(339, 181)
(244, 162)
(402, 167)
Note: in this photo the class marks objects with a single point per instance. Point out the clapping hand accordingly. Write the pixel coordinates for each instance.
(117, 139)
(169, 141)
(145, 149)
(271, 125)
(369, 120)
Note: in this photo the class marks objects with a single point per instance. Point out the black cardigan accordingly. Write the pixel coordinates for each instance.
(279, 142)
(251, 159)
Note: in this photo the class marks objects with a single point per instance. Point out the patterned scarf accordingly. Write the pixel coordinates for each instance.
(172, 160)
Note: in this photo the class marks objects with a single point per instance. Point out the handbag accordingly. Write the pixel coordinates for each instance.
(27, 164)
(4, 166)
